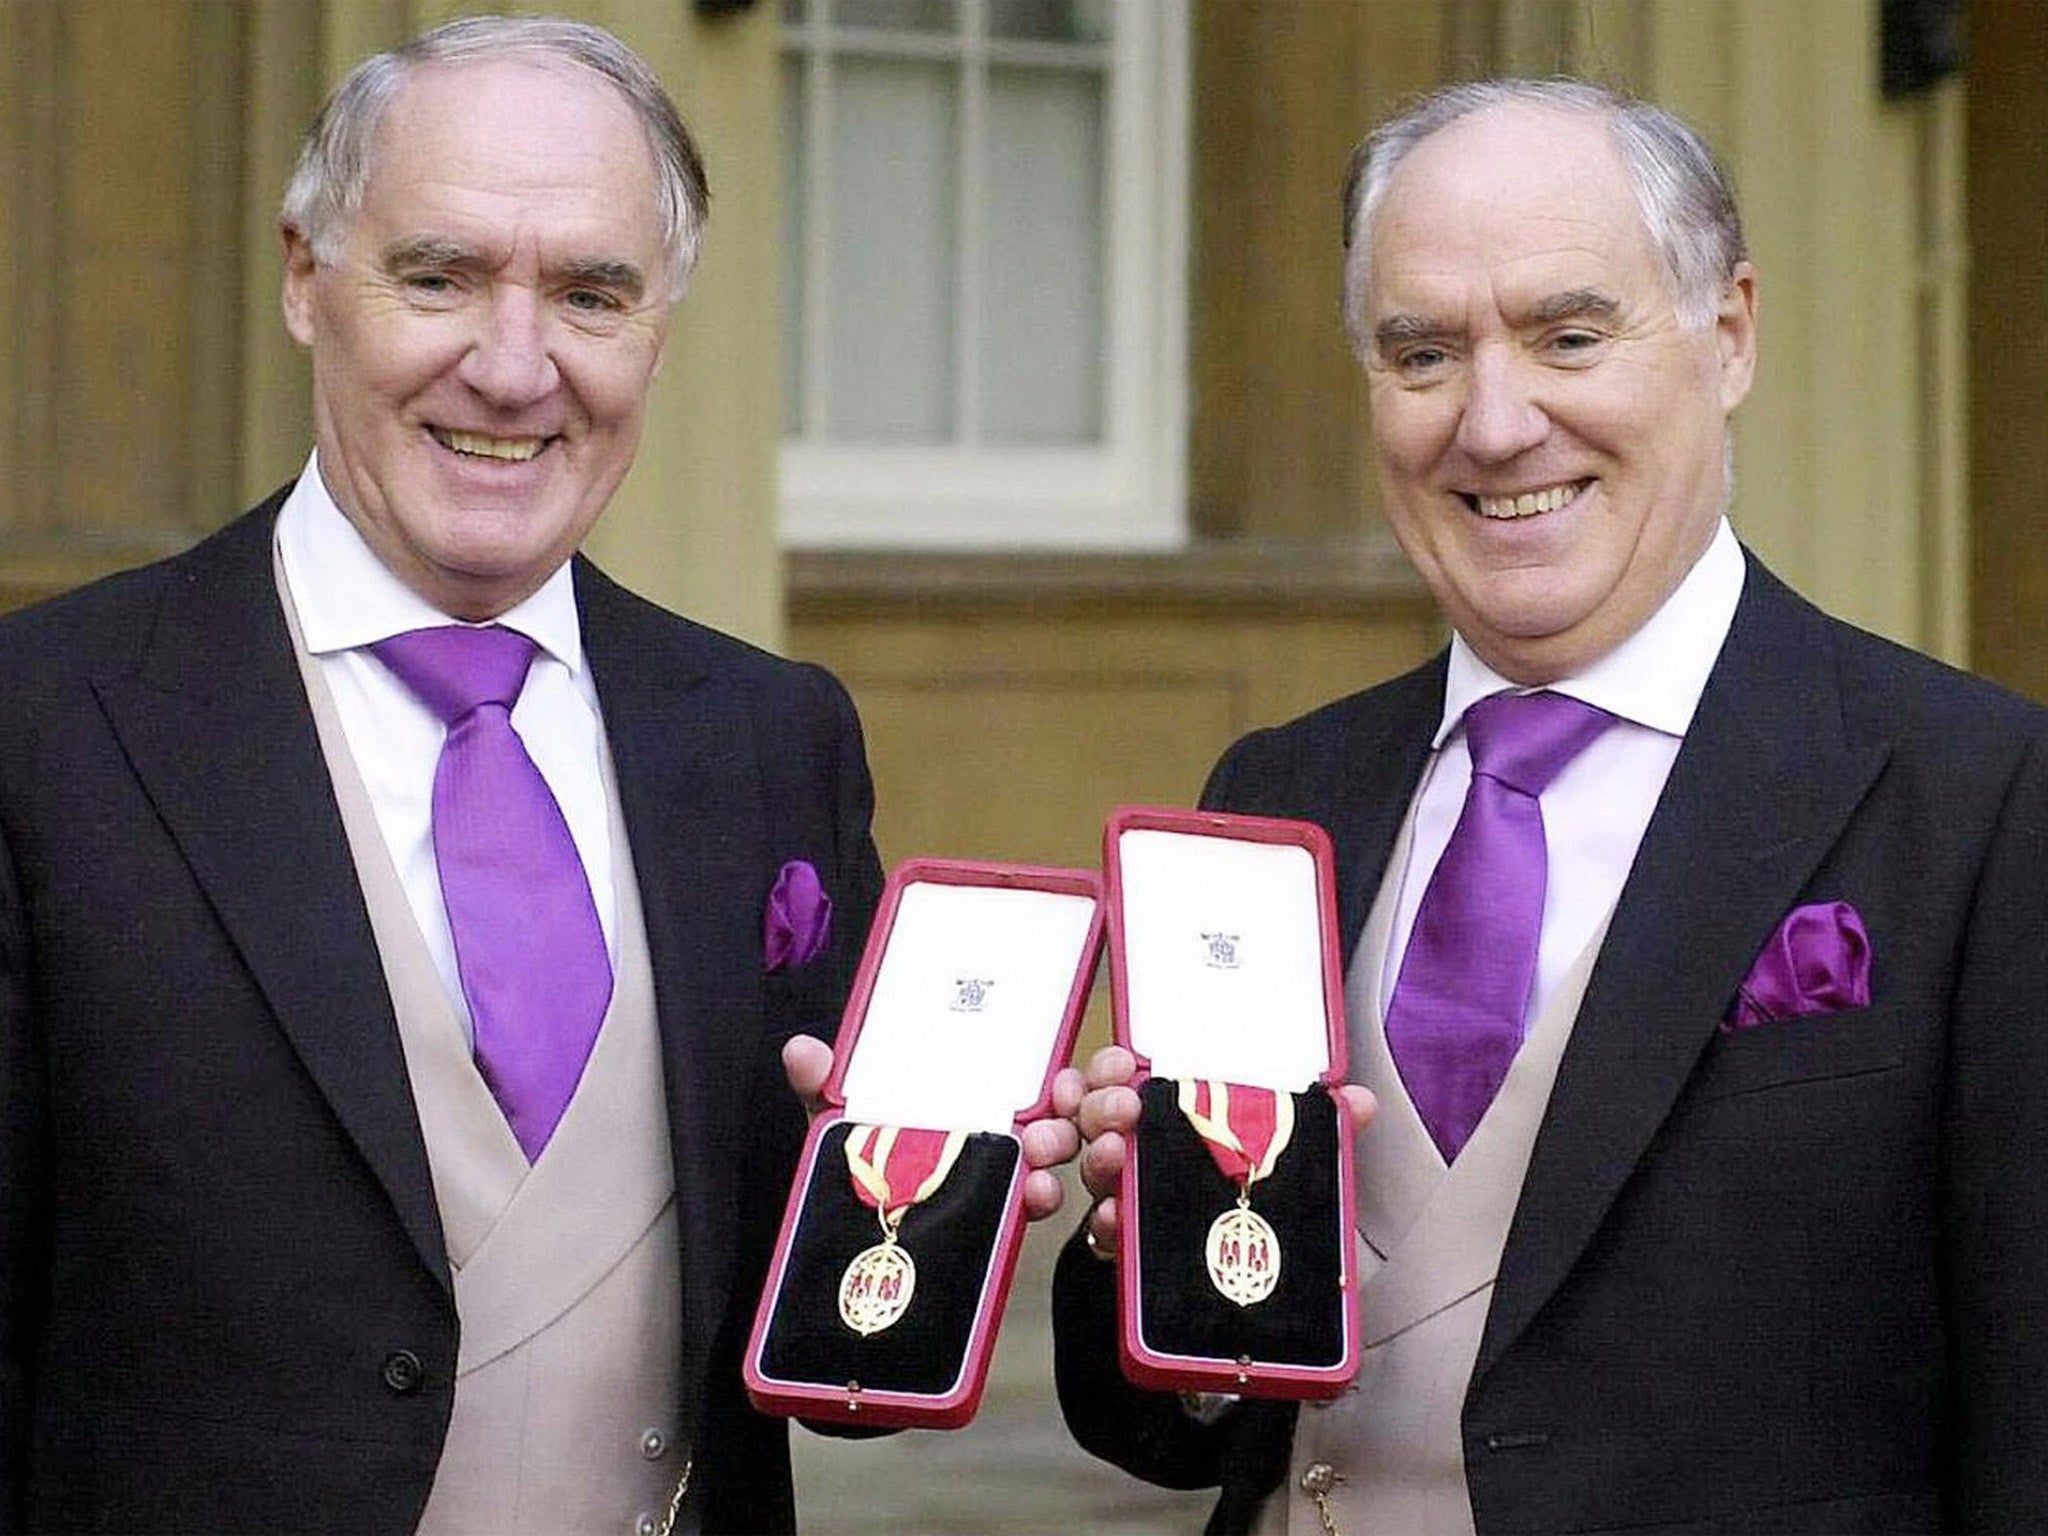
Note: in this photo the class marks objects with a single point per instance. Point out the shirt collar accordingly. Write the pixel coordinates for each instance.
(1656, 676)
(347, 598)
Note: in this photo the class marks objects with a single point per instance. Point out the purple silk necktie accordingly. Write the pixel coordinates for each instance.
(527, 941)
(1456, 1018)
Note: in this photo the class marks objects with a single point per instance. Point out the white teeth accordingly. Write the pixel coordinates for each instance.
(517, 449)
(1529, 503)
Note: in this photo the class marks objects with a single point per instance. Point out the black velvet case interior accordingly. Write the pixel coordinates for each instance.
(1181, 1191)
(950, 1236)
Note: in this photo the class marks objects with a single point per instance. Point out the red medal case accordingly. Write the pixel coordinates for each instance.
(1225, 966)
(966, 1003)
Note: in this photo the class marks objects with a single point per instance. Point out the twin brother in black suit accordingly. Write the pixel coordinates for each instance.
(1769, 1278)
(226, 1300)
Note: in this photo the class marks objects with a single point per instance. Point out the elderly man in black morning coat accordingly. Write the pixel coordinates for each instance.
(391, 1117)
(1725, 1213)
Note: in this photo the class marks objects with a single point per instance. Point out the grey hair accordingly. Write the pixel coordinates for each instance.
(327, 187)
(1687, 204)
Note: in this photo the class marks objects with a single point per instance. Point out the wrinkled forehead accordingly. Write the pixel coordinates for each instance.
(1512, 162)
(502, 114)
(1508, 189)
(494, 153)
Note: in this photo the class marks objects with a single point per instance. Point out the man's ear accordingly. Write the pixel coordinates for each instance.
(1735, 335)
(299, 271)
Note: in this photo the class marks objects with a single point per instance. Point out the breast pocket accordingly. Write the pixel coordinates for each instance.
(1783, 1052)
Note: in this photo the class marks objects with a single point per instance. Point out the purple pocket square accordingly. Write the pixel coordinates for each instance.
(1817, 962)
(799, 917)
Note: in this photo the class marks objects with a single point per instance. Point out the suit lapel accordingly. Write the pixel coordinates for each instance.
(215, 722)
(683, 745)
(1760, 790)
(1364, 786)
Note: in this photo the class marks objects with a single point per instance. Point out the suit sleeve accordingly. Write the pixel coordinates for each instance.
(23, 1214)
(1995, 1179)
(1216, 794)
(1150, 1434)
(830, 778)
(827, 782)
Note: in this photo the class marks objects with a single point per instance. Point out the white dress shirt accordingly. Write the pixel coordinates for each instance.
(347, 600)
(1595, 811)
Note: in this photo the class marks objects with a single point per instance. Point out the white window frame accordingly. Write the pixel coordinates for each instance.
(1127, 493)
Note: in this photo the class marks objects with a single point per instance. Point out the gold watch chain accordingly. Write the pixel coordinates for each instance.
(675, 1500)
(1317, 1481)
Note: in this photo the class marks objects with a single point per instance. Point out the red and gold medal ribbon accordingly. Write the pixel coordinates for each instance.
(894, 1168)
(1245, 1129)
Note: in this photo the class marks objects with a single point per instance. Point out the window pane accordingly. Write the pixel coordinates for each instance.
(894, 231)
(1051, 21)
(897, 15)
(1041, 362)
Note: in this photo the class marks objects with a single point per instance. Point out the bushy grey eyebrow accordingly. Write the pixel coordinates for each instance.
(1400, 330)
(1575, 304)
(1571, 304)
(622, 277)
(430, 251)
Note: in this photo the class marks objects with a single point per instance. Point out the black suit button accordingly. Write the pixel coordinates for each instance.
(403, 1371)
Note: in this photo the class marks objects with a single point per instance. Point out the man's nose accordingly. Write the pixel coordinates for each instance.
(1501, 415)
(509, 362)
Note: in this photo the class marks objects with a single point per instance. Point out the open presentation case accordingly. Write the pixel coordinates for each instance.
(906, 1214)
(1237, 1270)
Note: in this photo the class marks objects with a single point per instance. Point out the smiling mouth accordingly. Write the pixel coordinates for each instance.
(1502, 509)
(478, 445)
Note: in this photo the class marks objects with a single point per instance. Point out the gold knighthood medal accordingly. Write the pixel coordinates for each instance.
(1245, 1130)
(875, 1291)
(893, 1169)
(1244, 1254)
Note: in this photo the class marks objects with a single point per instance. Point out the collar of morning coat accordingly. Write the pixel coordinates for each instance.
(1654, 677)
(347, 598)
